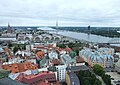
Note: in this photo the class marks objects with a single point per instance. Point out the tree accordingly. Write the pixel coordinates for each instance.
(86, 82)
(86, 63)
(77, 52)
(106, 78)
(98, 69)
(9, 44)
(15, 49)
(97, 82)
(88, 78)
(61, 45)
(24, 47)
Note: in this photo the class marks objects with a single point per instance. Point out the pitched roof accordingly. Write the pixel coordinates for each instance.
(8, 81)
(79, 59)
(65, 49)
(20, 67)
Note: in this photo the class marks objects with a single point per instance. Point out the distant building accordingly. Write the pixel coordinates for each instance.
(9, 29)
(39, 38)
(21, 37)
(8, 37)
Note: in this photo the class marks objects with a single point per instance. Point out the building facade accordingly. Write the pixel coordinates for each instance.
(101, 56)
(61, 72)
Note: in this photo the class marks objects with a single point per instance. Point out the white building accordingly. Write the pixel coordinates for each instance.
(61, 71)
(53, 54)
(23, 53)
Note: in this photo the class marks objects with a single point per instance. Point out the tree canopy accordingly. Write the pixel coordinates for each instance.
(98, 69)
(88, 78)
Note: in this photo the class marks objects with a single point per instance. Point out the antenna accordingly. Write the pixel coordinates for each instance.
(57, 24)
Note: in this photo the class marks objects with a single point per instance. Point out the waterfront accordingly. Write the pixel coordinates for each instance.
(85, 36)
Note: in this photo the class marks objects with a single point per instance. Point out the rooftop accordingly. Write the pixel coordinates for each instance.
(20, 67)
(38, 74)
(8, 81)
(77, 68)
(55, 61)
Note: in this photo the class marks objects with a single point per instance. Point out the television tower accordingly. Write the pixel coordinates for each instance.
(89, 29)
(56, 24)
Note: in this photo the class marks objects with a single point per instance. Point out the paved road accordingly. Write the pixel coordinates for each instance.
(115, 76)
(74, 79)
(103, 83)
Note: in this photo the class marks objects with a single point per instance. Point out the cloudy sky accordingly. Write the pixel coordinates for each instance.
(67, 12)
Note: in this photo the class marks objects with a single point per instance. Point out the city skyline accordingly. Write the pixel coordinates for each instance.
(66, 12)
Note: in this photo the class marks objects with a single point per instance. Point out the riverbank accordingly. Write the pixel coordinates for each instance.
(102, 31)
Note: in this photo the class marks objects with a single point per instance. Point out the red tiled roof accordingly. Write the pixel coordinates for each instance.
(19, 67)
(65, 49)
(41, 78)
(55, 48)
(40, 54)
(43, 83)
(39, 74)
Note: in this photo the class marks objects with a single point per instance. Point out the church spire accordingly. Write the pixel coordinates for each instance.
(9, 28)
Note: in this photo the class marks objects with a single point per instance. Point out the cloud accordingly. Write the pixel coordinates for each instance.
(67, 12)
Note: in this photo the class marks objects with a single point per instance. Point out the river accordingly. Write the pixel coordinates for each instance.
(84, 36)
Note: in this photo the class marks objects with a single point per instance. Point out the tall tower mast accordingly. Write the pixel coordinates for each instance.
(56, 24)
